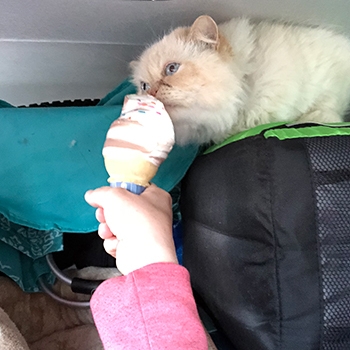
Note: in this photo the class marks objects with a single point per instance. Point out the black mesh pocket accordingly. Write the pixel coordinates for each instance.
(330, 162)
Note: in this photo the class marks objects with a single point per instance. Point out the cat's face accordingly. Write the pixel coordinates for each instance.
(187, 70)
(172, 70)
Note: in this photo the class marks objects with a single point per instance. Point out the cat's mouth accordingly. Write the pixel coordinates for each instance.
(171, 105)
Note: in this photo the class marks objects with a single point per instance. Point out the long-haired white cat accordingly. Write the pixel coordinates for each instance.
(218, 80)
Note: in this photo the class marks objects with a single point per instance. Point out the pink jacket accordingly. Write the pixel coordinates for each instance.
(151, 308)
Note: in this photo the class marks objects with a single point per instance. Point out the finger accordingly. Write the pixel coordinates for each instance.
(104, 196)
(110, 246)
(150, 190)
(156, 195)
(104, 232)
(88, 198)
(100, 216)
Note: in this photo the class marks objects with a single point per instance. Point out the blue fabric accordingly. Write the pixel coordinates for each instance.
(137, 189)
(49, 158)
(178, 240)
(22, 252)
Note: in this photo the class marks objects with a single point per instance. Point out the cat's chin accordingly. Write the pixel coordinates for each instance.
(198, 125)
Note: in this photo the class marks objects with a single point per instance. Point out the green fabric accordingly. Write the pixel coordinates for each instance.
(49, 158)
(242, 135)
(309, 131)
(288, 132)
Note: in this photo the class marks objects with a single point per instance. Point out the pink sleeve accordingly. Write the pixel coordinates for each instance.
(151, 308)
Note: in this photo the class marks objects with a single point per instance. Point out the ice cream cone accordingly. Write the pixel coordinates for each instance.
(138, 142)
(137, 171)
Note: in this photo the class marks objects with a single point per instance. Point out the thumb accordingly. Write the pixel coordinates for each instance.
(103, 196)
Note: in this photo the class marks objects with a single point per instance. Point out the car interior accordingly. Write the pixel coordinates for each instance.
(261, 221)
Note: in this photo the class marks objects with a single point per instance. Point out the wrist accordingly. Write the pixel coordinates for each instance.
(145, 258)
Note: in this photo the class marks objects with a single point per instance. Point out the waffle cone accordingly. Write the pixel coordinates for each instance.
(138, 171)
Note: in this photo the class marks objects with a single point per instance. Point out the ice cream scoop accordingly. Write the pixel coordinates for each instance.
(138, 142)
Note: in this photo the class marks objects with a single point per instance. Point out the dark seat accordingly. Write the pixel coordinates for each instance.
(267, 241)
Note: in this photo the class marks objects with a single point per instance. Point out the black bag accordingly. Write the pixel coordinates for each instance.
(267, 237)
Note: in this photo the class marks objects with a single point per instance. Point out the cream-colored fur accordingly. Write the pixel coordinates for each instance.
(241, 74)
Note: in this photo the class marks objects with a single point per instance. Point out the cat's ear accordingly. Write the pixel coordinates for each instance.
(206, 30)
(133, 65)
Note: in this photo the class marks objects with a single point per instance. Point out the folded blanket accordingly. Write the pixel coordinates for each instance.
(49, 158)
(10, 337)
(35, 321)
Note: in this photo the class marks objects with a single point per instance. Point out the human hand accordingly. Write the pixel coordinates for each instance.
(137, 229)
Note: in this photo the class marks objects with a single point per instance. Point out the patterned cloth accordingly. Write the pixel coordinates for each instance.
(22, 251)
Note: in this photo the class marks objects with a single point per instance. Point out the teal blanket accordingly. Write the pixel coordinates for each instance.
(49, 158)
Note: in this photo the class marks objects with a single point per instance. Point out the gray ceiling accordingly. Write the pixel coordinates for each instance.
(54, 50)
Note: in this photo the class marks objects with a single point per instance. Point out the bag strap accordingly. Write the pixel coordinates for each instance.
(284, 131)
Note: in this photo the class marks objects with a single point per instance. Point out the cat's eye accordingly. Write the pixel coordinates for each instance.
(171, 68)
(144, 86)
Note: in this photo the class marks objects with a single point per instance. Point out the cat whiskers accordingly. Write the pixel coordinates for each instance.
(166, 84)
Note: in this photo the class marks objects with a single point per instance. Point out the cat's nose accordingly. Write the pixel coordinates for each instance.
(153, 91)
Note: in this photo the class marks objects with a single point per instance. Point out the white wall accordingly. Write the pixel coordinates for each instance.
(55, 50)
